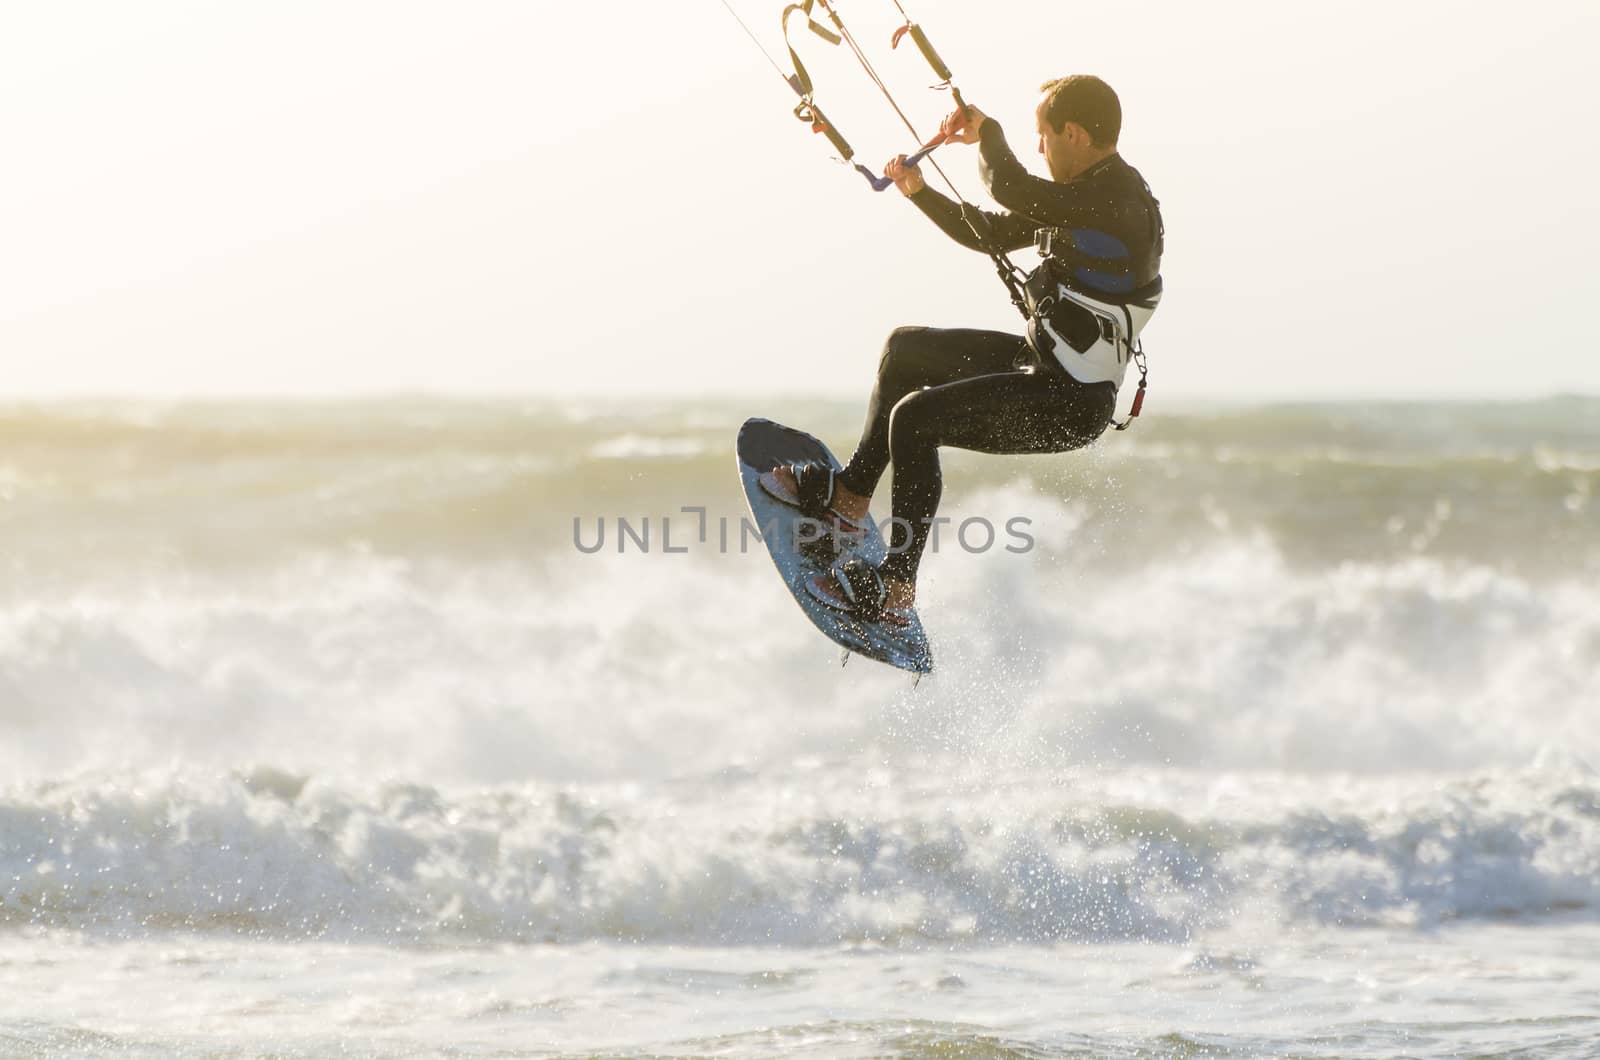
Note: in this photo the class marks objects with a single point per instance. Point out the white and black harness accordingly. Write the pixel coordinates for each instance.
(1093, 337)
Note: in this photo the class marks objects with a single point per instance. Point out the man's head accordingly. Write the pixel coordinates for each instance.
(1079, 120)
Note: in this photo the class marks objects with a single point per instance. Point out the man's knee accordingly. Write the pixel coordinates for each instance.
(900, 346)
(912, 426)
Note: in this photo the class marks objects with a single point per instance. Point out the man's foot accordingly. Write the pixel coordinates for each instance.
(902, 594)
(850, 506)
(897, 597)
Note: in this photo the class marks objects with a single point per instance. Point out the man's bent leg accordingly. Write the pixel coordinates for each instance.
(914, 358)
(1014, 412)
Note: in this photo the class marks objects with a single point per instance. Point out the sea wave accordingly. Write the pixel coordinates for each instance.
(627, 665)
(94, 490)
(816, 854)
(349, 591)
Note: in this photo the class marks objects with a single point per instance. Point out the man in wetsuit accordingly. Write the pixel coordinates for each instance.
(988, 391)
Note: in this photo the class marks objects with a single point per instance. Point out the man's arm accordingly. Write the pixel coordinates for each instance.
(1045, 201)
(1002, 231)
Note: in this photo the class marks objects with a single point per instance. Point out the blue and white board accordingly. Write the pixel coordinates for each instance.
(762, 445)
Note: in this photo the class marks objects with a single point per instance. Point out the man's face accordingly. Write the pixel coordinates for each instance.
(1056, 152)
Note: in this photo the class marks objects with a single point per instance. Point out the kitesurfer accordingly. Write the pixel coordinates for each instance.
(990, 391)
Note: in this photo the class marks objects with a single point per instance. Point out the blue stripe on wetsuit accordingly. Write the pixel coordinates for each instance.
(1093, 243)
(1098, 244)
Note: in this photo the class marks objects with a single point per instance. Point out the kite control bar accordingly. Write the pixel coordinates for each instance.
(882, 183)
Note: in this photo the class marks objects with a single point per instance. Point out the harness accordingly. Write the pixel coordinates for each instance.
(1093, 340)
(1088, 302)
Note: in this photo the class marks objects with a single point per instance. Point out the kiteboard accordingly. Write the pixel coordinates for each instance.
(802, 548)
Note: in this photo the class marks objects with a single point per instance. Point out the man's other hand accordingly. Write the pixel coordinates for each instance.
(962, 127)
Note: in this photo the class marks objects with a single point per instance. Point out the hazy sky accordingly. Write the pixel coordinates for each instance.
(347, 197)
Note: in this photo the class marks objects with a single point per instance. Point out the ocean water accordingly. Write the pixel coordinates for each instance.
(327, 730)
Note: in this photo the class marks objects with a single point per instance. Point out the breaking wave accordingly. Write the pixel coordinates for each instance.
(820, 854)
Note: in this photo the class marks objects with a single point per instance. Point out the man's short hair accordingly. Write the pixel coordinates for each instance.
(1087, 100)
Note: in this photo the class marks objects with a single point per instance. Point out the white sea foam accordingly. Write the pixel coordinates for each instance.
(808, 854)
(641, 665)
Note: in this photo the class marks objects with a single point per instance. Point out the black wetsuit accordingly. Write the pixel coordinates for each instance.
(985, 390)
